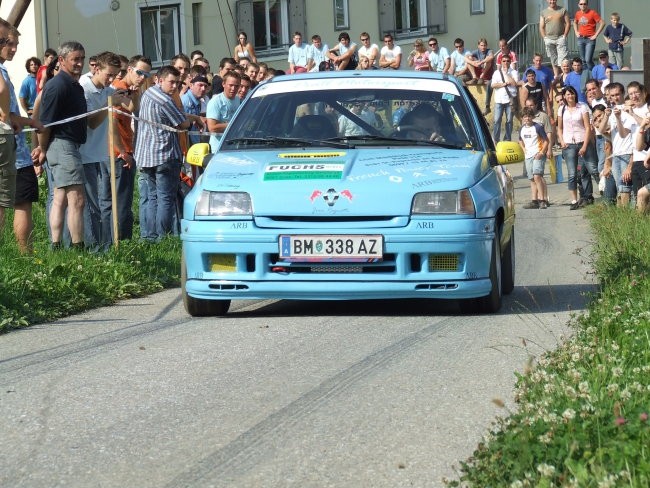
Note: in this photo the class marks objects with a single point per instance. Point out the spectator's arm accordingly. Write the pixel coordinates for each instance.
(567, 23)
(599, 29)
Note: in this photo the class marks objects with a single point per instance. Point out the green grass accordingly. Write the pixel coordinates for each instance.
(48, 285)
(582, 416)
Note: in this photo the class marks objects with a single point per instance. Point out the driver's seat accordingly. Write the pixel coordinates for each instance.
(313, 127)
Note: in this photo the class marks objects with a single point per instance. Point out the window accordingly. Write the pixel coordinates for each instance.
(412, 18)
(476, 7)
(196, 23)
(341, 19)
(160, 30)
(270, 24)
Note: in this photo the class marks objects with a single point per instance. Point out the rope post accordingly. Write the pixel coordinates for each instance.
(111, 155)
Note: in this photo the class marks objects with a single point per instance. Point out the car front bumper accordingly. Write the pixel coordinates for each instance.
(437, 258)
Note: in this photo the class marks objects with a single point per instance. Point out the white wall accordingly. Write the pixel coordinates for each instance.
(27, 46)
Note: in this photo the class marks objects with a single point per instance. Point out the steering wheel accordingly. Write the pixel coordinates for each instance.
(404, 129)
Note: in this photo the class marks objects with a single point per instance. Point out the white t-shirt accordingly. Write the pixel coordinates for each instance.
(641, 111)
(623, 145)
(390, 54)
(533, 138)
(437, 60)
(501, 94)
(318, 55)
(367, 51)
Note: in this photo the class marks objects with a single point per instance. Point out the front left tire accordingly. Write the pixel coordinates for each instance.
(197, 307)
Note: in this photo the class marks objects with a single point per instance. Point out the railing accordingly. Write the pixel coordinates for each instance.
(527, 41)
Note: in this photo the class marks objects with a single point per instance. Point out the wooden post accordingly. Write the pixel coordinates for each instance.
(111, 155)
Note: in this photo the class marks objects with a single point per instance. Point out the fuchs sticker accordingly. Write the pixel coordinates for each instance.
(303, 171)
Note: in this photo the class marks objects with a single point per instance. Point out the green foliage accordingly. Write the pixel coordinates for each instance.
(48, 285)
(582, 417)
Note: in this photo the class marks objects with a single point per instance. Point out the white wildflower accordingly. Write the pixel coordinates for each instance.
(546, 470)
(569, 414)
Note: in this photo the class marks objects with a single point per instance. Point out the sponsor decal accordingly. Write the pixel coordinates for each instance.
(303, 171)
(300, 155)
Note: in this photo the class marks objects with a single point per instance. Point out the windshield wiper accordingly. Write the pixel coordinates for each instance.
(401, 141)
(283, 141)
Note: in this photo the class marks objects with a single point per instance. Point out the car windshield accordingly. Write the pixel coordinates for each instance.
(353, 112)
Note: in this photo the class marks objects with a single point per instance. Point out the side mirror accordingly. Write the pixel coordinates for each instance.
(509, 152)
(199, 155)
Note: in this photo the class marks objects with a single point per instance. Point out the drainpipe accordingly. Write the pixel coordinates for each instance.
(44, 26)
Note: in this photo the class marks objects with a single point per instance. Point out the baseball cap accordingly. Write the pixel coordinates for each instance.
(529, 71)
(603, 54)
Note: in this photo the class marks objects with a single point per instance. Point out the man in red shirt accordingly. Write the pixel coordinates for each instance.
(587, 25)
(50, 54)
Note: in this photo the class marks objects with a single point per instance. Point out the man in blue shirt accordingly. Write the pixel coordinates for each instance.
(577, 79)
(27, 94)
(543, 74)
(222, 107)
(599, 72)
(192, 101)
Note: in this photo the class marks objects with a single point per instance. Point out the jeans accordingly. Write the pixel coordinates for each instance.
(619, 165)
(616, 57)
(499, 109)
(92, 214)
(586, 48)
(143, 190)
(588, 167)
(610, 184)
(124, 185)
(162, 184)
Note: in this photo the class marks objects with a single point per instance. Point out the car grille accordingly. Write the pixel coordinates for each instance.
(387, 265)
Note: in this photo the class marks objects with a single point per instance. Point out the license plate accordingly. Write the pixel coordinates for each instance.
(359, 248)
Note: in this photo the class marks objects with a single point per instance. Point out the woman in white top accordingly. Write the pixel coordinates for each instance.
(575, 137)
(244, 49)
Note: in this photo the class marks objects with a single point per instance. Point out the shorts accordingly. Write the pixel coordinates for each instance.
(7, 168)
(64, 159)
(26, 185)
(535, 167)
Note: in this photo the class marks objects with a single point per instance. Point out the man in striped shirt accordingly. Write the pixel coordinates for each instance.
(158, 152)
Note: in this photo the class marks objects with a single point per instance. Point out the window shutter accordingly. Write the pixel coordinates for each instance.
(244, 9)
(386, 17)
(437, 16)
(297, 19)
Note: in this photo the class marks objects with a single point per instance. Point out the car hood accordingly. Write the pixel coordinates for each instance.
(354, 181)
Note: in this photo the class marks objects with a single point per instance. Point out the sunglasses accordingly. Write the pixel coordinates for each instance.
(364, 39)
(139, 72)
(433, 43)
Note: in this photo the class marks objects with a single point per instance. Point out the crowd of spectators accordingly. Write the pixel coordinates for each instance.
(600, 130)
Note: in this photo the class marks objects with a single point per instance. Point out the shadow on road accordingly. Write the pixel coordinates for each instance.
(523, 300)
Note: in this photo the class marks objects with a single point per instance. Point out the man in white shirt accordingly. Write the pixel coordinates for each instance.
(298, 54)
(370, 51)
(317, 53)
(438, 56)
(391, 55)
(504, 83)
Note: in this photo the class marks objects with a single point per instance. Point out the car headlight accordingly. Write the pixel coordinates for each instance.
(443, 202)
(223, 204)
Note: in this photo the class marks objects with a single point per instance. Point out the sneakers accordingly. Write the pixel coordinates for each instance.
(532, 204)
(543, 204)
(575, 205)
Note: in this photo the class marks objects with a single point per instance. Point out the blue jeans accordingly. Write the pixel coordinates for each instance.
(586, 48)
(588, 167)
(92, 214)
(124, 185)
(162, 185)
(610, 183)
(619, 165)
(499, 109)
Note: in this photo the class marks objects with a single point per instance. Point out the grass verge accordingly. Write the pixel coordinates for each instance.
(582, 416)
(48, 285)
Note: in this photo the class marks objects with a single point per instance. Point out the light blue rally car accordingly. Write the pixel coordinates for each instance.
(352, 185)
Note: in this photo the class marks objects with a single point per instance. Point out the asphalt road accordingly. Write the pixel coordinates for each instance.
(282, 394)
